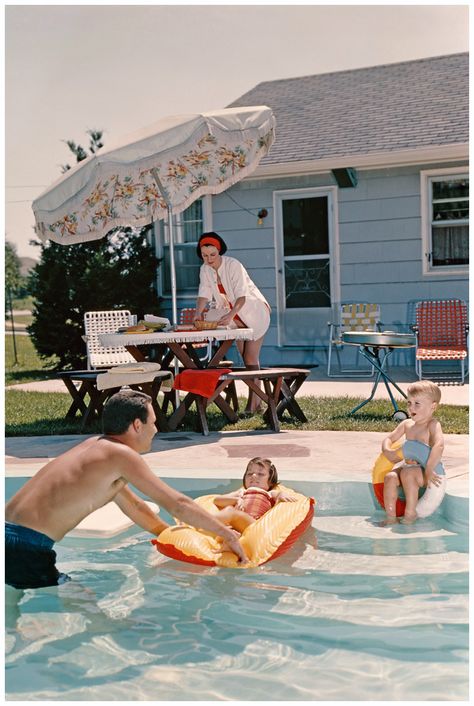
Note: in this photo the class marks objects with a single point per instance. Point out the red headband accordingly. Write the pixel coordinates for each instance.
(209, 240)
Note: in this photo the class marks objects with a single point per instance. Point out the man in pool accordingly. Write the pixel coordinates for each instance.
(86, 477)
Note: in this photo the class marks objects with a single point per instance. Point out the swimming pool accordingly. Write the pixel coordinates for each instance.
(369, 613)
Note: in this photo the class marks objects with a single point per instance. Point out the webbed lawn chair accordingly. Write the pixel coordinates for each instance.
(353, 316)
(97, 322)
(441, 335)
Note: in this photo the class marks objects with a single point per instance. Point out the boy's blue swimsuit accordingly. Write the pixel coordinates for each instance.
(30, 561)
(418, 451)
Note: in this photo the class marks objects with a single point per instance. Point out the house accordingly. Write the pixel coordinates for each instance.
(366, 194)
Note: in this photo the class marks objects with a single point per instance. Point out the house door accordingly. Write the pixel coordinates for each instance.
(307, 276)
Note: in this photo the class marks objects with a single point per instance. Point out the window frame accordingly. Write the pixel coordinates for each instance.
(162, 243)
(426, 177)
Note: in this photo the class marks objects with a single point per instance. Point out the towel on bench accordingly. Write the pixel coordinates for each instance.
(200, 382)
(133, 374)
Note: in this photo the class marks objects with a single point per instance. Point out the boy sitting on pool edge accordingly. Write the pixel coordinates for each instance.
(422, 429)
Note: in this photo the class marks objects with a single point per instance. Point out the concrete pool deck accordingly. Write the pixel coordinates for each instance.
(298, 455)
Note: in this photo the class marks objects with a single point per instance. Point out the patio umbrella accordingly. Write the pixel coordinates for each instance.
(155, 174)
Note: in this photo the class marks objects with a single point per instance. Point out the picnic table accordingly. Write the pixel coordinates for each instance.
(179, 344)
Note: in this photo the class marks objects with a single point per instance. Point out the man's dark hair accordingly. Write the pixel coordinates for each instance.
(122, 409)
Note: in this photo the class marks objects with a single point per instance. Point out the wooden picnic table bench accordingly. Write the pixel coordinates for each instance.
(280, 386)
(89, 401)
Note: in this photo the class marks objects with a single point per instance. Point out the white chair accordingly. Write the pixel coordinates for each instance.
(353, 316)
(97, 322)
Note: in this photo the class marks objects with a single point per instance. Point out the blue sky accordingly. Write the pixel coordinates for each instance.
(121, 67)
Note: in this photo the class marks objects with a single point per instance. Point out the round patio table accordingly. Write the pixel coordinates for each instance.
(377, 347)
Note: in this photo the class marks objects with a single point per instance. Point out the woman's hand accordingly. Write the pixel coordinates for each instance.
(198, 316)
(226, 319)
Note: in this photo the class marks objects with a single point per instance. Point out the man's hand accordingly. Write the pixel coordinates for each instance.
(234, 546)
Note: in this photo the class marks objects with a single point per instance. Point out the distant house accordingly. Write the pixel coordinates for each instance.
(366, 189)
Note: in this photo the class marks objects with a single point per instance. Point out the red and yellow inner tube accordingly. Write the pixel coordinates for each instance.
(381, 467)
(267, 538)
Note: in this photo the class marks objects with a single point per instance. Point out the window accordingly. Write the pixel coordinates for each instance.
(189, 225)
(447, 222)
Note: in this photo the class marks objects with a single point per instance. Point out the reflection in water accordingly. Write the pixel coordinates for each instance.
(327, 622)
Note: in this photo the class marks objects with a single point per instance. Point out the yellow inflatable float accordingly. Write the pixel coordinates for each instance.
(430, 498)
(264, 540)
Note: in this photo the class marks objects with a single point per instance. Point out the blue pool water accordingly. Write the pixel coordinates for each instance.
(353, 612)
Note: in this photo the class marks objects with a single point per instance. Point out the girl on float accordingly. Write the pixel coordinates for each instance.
(242, 507)
(240, 303)
(422, 451)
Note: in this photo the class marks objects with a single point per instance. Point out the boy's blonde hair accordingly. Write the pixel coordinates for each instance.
(425, 387)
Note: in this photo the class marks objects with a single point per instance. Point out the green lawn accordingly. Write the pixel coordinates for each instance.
(30, 367)
(39, 413)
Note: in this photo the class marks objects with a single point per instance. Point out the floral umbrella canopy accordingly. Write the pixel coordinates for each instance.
(154, 174)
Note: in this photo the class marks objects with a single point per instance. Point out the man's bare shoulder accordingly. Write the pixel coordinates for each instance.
(103, 448)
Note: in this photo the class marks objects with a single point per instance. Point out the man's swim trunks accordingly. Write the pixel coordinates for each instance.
(30, 561)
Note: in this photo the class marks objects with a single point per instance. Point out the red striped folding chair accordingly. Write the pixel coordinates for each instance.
(441, 335)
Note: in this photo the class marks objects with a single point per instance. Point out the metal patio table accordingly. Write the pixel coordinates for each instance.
(377, 347)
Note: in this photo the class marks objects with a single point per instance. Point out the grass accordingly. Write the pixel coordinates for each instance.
(42, 414)
(29, 367)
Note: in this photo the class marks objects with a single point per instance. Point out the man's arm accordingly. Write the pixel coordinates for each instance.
(135, 470)
(139, 512)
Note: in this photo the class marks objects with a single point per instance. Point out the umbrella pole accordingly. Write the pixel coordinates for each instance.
(173, 289)
(174, 309)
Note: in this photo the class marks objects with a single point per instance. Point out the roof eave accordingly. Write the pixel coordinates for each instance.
(373, 160)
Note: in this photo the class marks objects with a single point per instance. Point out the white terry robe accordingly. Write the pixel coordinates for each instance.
(255, 313)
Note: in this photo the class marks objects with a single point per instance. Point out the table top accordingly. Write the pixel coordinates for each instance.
(380, 339)
(141, 339)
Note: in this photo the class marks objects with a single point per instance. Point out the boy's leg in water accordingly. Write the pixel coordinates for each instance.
(411, 478)
(390, 495)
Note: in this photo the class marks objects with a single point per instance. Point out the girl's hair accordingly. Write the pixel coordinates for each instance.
(425, 387)
(264, 463)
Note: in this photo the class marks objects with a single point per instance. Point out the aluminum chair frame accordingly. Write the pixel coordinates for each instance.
(441, 331)
(354, 316)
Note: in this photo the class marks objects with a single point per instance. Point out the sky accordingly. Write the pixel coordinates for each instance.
(71, 68)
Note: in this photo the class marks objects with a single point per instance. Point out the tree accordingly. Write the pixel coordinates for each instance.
(95, 143)
(13, 279)
(116, 272)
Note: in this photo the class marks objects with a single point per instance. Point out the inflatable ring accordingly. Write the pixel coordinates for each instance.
(267, 538)
(433, 495)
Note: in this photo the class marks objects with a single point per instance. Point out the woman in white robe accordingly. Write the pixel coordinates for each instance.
(238, 300)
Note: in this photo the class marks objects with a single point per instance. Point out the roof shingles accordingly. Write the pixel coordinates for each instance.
(408, 105)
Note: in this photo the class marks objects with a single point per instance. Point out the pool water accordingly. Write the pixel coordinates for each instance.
(354, 611)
